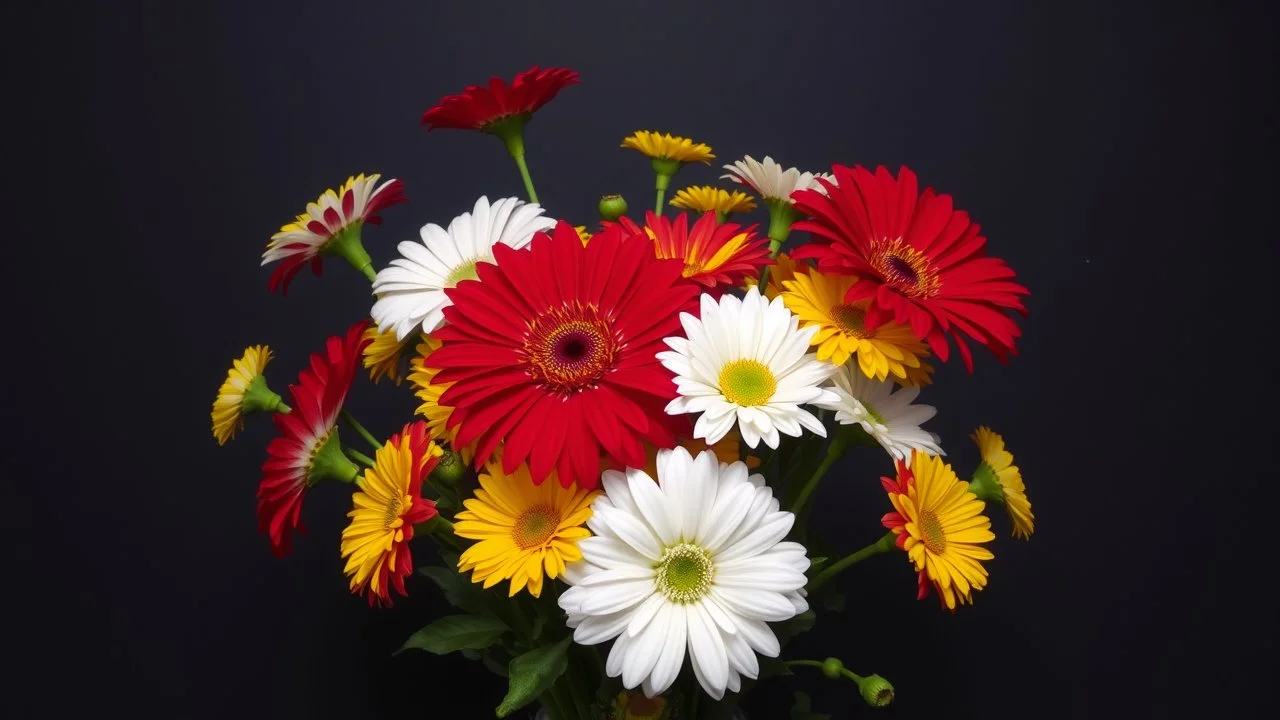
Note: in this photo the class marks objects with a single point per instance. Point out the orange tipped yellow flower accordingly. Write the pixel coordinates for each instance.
(889, 349)
(243, 392)
(429, 392)
(668, 147)
(705, 199)
(997, 467)
(384, 355)
(939, 522)
(782, 270)
(524, 530)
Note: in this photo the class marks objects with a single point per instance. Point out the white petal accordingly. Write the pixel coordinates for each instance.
(670, 661)
(707, 652)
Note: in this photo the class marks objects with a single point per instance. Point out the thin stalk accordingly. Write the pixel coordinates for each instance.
(355, 425)
(839, 443)
(358, 456)
(883, 545)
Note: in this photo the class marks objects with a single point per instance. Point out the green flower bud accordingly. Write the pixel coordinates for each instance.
(832, 668)
(612, 207)
(449, 469)
(877, 691)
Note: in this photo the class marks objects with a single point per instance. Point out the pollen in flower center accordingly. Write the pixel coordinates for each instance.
(464, 271)
(394, 506)
(905, 269)
(534, 526)
(570, 348)
(849, 319)
(931, 531)
(684, 572)
(747, 383)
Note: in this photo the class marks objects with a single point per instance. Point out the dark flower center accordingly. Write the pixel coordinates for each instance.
(568, 349)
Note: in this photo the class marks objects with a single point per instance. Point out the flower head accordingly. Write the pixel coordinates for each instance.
(387, 505)
(330, 226)
(243, 392)
(885, 414)
(522, 528)
(665, 146)
(921, 260)
(694, 562)
(411, 291)
(886, 350)
(743, 362)
(705, 198)
(307, 448)
(479, 107)
(552, 353)
(714, 255)
(997, 468)
(770, 181)
(384, 355)
(941, 526)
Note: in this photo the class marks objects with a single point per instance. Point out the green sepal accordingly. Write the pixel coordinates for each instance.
(346, 244)
(330, 463)
(665, 168)
(457, 632)
(986, 485)
(259, 398)
(531, 674)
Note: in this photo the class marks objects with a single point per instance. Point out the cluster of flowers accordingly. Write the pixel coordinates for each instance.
(645, 408)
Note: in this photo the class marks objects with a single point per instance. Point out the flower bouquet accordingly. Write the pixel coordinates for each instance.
(622, 429)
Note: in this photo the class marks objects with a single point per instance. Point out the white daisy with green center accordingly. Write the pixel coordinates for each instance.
(411, 291)
(692, 563)
(745, 362)
(885, 415)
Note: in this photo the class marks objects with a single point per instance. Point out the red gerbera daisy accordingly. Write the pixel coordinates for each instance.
(921, 259)
(477, 107)
(714, 254)
(553, 353)
(307, 449)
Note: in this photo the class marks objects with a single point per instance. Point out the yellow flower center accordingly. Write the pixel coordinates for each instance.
(905, 269)
(465, 271)
(747, 383)
(684, 573)
(392, 514)
(569, 348)
(535, 526)
(849, 319)
(931, 531)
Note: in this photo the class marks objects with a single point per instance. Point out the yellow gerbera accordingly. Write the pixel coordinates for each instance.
(242, 393)
(997, 468)
(705, 198)
(583, 235)
(939, 522)
(889, 349)
(429, 392)
(668, 147)
(782, 270)
(522, 528)
(383, 355)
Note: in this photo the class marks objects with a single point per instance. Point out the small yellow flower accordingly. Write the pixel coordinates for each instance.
(244, 378)
(997, 463)
(429, 392)
(705, 198)
(668, 147)
(383, 356)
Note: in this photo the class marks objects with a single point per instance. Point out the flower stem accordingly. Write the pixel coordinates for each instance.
(368, 437)
(359, 456)
(512, 134)
(524, 175)
(660, 183)
(835, 451)
(883, 545)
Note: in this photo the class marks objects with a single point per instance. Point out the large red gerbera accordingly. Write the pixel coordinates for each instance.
(552, 352)
(478, 107)
(307, 449)
(920, 259)
(714, 254)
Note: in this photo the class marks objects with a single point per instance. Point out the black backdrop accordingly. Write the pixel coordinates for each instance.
(1118, 156)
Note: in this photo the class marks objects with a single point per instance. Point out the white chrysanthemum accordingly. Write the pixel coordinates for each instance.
(771, 182)
(694, 560)
(411, 290)
(885, 415)
(744, 361)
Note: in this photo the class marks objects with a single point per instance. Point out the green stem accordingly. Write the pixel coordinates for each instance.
(835, 451)
(660, 184)
(883, 545)
(283, 409)
(368, 271)
(441, 529)
(359, 456)
(524, 175)
(355, 425)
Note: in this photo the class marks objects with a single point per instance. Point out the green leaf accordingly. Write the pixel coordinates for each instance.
(458, 590)
(772, 667)
(803, 709)
(457, 632)
(532, 673)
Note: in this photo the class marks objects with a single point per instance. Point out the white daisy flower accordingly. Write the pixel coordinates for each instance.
(885, 415)
(771, 182)
(694, 560)
(744, 361)
(411, 290)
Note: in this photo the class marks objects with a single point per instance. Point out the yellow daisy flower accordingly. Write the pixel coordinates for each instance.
(583, 235)
(429, 392)
(890, 349)
(659, 146)
(997, 469)
(383, 356)
(939, 522)
(244, 392)
(705, 199)
(523, 529)
(782, 270)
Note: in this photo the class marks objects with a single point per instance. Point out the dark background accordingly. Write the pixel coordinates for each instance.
(1118, 155)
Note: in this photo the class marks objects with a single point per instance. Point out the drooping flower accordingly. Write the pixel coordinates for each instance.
(997, 469)
(923, 261)
(940, 524)
(889, 349)
(244, 392)
(552, 353)
(706, 198)
(770, 181)
(429, 390)
(714, 255)
(480, 107)
(384, 356)
(782, 269)
(524, 530)
(387, 505)
(743, 362)
(307, 449)
(694, 562)
(331, 226)
(884, 413)
(665, 146)
(411, 291)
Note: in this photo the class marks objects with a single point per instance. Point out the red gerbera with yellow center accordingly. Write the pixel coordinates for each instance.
(714, 255)
(478, 107)
(308, 449)
(552, 353)
(921, 259)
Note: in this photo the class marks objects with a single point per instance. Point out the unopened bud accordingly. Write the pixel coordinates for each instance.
(449, 469)
(875, 690)
(832, 667)
(612, 207)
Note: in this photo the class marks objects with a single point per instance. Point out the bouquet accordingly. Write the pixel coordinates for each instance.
(622, 429)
